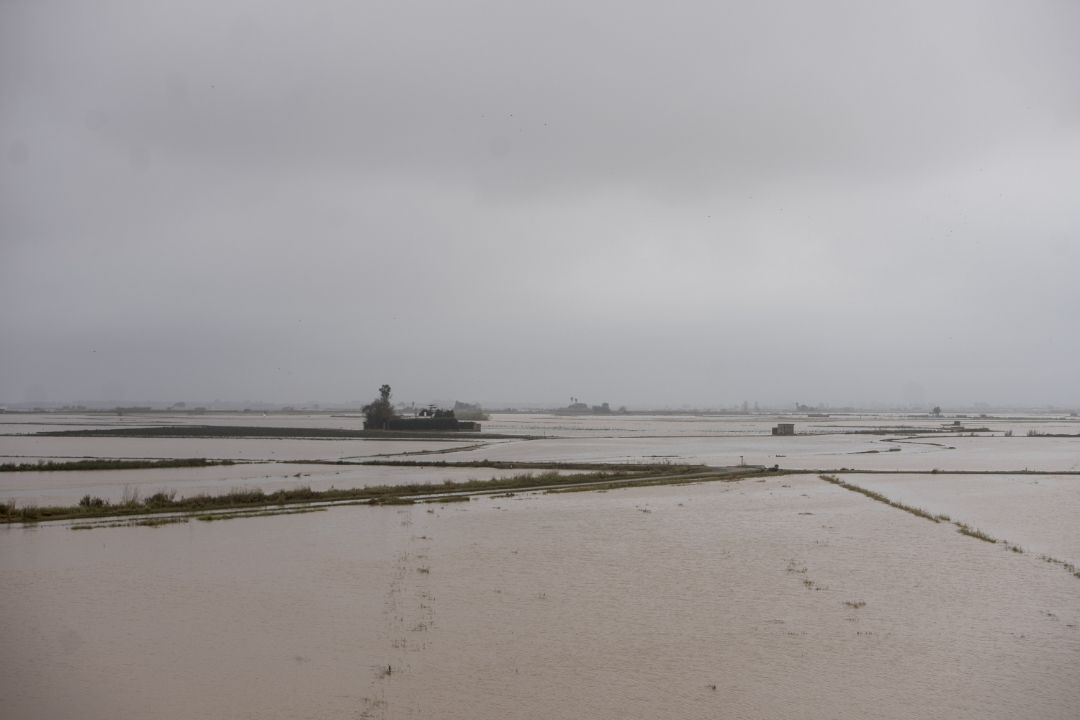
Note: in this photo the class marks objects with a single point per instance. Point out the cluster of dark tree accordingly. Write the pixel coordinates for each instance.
(380, 415)
(380, 411)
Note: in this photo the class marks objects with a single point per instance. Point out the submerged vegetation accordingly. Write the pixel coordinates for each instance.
(53, 466)
(158, 522)
(961, 527)
(880, 498)
(965, 529)
(259, 513)
(1069, 567)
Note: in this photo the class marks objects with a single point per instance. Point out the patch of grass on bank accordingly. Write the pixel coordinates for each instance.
(52, 466)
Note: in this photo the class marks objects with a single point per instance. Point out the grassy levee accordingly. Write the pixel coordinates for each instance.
(163, 502)
(101, 464)
(613, 476)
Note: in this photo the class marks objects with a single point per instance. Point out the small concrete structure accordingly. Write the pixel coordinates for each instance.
(784, 429)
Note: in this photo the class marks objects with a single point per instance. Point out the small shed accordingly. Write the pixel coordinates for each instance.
(784, 429)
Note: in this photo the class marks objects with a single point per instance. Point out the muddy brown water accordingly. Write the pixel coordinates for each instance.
(786, 597)
(702, 601)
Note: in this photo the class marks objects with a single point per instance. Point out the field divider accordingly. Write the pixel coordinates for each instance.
(962, 527)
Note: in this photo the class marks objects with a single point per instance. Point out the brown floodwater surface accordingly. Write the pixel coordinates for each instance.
(786, 597)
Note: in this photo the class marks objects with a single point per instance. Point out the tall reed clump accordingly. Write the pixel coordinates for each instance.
(965, 529)
(90, 501)
(161, 499)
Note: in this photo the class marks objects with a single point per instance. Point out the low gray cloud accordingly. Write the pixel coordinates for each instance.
(690, 203)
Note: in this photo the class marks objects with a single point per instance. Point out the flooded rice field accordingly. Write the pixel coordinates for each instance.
(776, 598)
(772, 597)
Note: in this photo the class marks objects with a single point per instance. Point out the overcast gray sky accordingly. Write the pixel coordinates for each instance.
(638, 203)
